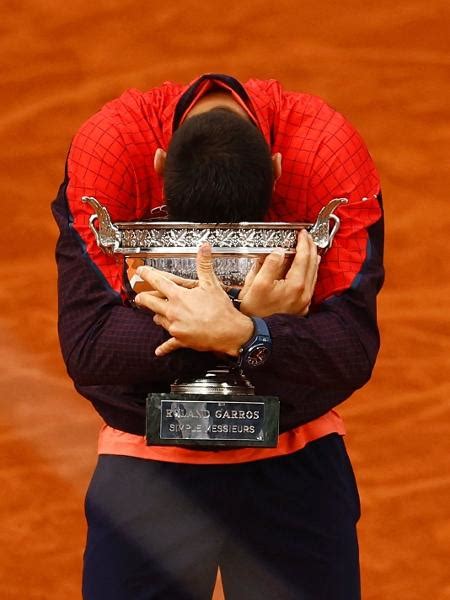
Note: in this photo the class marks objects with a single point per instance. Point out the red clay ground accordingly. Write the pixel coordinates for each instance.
(384, 65)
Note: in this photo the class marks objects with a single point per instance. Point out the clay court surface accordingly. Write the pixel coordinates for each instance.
(386, 66)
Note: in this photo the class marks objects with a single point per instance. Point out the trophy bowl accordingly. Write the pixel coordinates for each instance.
(173, 245)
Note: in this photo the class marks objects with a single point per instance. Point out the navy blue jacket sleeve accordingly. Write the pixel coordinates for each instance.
(103, 339)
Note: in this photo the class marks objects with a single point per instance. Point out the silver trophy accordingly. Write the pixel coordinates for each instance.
(220, 408)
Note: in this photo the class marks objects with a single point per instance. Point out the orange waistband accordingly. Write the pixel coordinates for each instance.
(113, 441)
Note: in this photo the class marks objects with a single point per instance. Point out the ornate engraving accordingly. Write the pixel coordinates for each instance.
(223, 237)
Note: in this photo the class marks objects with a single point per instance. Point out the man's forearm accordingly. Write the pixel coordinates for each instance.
(335, 347)
(332, 349)
(120, 349)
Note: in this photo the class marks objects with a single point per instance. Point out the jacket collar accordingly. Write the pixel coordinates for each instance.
(177, 110)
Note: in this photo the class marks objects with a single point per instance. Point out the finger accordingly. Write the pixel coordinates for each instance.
(158, 280)
(311, 266)
(182, 281)
(138, 285)
(250, 277)
(256, 266)
(162, 321)
(298, 270)
(272, 268)
(305, 310)
(205, 270)
(153, 293)
(153, 303)
(319, 258)
(169, 346)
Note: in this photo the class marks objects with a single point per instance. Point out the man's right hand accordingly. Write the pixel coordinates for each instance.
(269, 289)
(200, 317)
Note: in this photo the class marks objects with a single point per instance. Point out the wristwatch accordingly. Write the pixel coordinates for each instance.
(233, 294)
(257, 350)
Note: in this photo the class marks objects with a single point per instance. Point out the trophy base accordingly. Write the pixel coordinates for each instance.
(211, 420)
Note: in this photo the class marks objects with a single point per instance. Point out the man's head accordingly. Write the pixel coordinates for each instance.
(218, 169)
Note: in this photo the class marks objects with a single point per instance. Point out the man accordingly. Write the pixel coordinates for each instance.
(279, 522)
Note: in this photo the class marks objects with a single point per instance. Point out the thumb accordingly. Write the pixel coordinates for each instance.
(205, 271)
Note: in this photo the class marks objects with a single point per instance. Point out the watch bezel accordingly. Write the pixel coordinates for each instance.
(253, 350)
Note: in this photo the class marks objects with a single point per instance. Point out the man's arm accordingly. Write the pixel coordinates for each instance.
(103, 339)
(335, 346)
(323, 358)
(329, 354)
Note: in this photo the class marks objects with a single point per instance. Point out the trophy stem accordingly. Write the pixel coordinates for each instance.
(223, 379)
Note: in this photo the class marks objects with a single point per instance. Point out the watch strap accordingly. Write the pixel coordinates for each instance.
(260, 329)
(233, 294)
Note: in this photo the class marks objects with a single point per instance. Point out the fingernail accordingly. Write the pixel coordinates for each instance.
(158, 352)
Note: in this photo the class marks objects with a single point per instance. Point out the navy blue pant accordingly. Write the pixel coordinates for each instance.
(280, 529)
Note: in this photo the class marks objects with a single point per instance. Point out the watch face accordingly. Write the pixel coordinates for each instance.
(257, 356)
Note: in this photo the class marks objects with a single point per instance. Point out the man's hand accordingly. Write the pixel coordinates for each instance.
(268, 290)
(202, 318)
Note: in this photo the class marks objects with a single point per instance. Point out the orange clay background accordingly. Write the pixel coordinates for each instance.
(386, 66)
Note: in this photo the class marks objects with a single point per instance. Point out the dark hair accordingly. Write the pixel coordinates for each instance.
(218, 169)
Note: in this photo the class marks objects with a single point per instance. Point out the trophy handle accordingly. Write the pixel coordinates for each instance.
(106, 235)
(320, 232)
